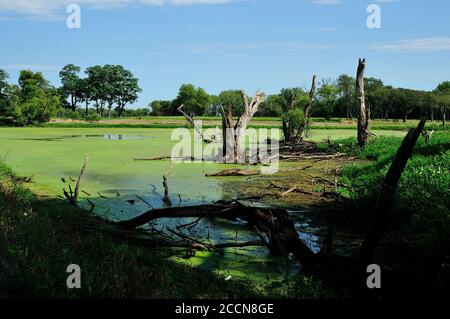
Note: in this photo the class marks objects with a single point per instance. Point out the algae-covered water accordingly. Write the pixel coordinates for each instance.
(53, 158)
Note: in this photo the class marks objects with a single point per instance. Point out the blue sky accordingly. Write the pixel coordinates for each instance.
(226, 44)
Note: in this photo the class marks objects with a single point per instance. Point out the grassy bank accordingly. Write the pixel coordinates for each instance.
(423, 196)
(40, 237)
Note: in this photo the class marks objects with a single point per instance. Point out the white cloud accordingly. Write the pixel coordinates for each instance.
(50, 8)
(432, 44)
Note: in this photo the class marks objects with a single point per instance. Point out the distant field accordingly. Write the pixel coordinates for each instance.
(210, 121)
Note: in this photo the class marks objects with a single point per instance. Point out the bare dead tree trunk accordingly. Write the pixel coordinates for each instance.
(234, 134)
(363, 114)
(386, 197)
(312, 93)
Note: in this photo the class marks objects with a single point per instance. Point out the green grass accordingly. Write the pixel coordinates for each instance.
(423, 196)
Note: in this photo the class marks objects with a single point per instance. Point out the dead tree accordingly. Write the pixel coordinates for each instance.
(363, 112)
(386, 197)
(233, 135)
(192, 122)
(307, 111)
(72, 196)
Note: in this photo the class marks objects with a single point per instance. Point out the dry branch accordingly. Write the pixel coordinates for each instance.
(72, 196)
(192, 122)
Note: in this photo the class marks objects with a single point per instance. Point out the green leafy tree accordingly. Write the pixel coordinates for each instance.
(4, 91)
(233, 98)
(160, 108)
(34, 100)
(87, 93)
(442, 99)
(405, 101)
(31, 83)
(292, 102)
(195, 100)
(270, 107)
(327, 97)
(443, 88)
(97, 77)
(346, 86)
(127, 88)
(72, 85)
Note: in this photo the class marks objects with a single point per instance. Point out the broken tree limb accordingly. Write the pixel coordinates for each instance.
(72, 196)
(386, 198)
(275, 223)
(235, 172)
(192, 122)
(211, 210)
(288, 190)
(143, 200)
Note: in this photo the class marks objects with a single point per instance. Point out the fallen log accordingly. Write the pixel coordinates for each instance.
(275, 223)
(234, 172)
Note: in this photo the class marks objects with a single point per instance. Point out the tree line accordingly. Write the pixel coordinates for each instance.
(333, 98)
(103, 90)
(107, 91)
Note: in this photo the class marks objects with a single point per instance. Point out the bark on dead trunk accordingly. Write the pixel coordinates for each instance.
(312, 92)
(363, 113)
(233, 135)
